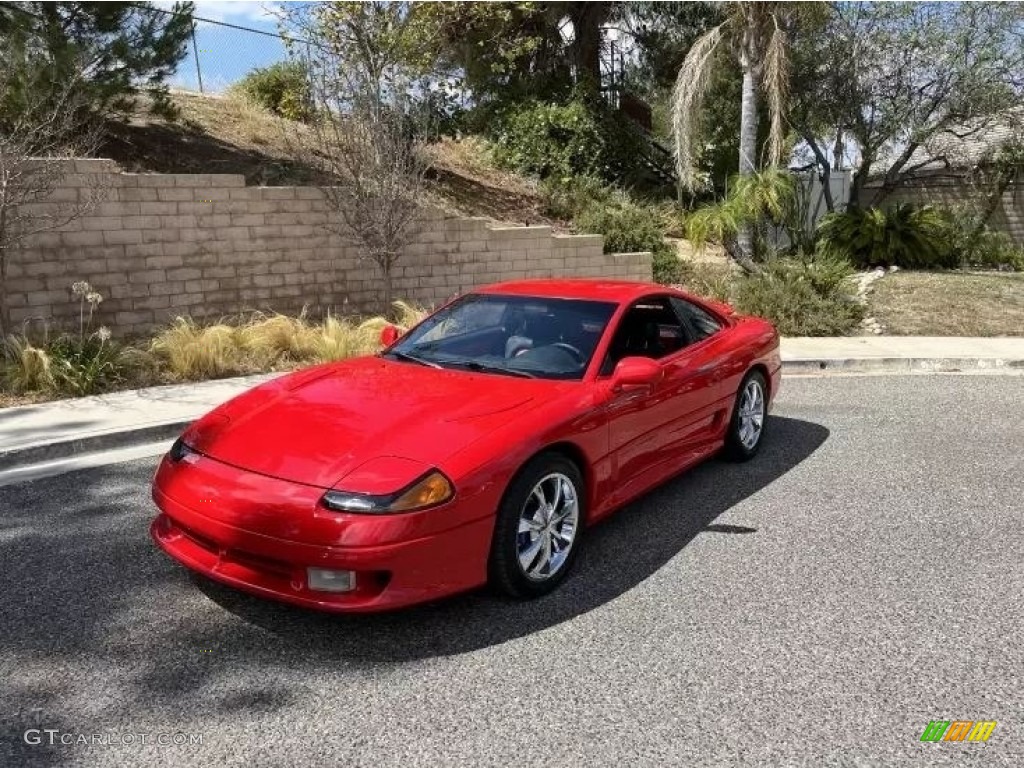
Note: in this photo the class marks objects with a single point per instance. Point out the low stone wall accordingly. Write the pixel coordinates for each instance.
(205, 245)
(952, 192)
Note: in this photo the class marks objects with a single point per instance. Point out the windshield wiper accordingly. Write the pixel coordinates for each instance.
(473, 365)
(413, 358)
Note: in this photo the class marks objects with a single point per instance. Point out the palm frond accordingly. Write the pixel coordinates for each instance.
(687, 102)
(775, 83)
(769, 192)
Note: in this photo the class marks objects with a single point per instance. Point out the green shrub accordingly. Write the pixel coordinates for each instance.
(550, 140)
(282, 88)
(628, 228)
(566, 198)
(903, 236)
(667, 268)
(86, 366)
(86, 362)
(1015, 259)
(829, 275)
(976, 244)
(802, 297)
(578, 137)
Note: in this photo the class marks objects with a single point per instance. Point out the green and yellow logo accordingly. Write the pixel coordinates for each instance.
(958, 730)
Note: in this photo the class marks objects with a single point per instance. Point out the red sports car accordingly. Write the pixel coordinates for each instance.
(476, 448)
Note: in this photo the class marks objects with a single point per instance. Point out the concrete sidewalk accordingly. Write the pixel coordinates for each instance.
(48, 431)
(896, 354)
(52, 431)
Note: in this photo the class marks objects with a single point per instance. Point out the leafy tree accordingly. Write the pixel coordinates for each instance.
(757, 34)
(125, 46)
(503, 52)
(999, 167)
(499, 51)
(883, 79)
(663, 33)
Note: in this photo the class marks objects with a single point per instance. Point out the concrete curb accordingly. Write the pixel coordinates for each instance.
(24, 456)
(902, 365)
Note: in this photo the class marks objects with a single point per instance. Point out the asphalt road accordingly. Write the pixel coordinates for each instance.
(818, 606)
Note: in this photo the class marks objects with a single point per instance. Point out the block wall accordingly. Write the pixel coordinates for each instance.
(162, 245)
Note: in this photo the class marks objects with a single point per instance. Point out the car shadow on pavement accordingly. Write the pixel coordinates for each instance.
(97, 622)
(619, 554)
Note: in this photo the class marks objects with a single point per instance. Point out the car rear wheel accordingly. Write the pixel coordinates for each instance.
(749, 418)
(538, 529)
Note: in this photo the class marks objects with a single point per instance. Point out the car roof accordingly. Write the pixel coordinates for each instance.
(618, 291)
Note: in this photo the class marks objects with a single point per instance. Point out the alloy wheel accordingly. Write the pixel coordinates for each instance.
(548, 523)
(751, 414)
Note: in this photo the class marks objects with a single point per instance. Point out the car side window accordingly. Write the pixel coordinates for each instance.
(702, 324)
(649, 328)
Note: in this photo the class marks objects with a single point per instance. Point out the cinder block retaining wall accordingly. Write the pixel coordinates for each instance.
(950, 192)
(162, 245)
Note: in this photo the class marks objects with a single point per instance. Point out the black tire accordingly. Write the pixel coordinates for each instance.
(735, 449)
(505, 570)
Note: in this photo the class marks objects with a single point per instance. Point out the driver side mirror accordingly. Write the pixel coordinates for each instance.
(389, 334)
(635, 372)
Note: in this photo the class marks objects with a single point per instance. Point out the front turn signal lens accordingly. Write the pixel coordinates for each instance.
(429, 491)
(432, 490)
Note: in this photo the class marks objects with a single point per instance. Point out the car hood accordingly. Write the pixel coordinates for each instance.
(318, 426)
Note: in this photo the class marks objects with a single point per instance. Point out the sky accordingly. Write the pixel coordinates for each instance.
(226, 54)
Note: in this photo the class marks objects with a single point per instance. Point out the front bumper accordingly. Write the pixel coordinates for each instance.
(227, 539)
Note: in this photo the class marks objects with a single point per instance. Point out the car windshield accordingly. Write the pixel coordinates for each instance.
(528, 336)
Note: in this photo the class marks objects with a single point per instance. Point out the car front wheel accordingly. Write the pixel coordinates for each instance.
(749, 418)
(538, 529)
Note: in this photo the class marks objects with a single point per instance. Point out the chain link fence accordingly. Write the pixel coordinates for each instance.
(221, 53)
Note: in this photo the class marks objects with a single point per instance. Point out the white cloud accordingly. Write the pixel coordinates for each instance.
(235, 11)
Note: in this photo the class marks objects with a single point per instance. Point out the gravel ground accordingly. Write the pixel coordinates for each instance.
(817, 606)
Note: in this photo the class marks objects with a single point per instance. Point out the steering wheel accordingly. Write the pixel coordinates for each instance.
(580, 359)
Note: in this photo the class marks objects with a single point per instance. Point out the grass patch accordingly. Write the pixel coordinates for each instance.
(29, 368)
(189, 351)
(949, 303)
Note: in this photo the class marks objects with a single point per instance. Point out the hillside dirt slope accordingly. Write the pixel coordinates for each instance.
(222, 134)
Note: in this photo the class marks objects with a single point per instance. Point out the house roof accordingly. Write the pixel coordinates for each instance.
(965, 146)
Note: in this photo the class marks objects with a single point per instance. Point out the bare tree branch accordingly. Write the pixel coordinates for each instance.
(43, 124)
(363, 138)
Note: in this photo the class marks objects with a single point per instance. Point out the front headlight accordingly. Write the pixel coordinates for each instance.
(429, 491)
(179, 450)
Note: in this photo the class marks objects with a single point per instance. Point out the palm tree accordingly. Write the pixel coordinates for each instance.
(756, 33)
